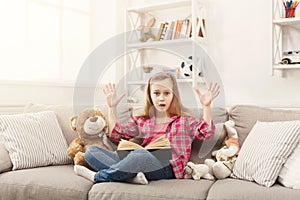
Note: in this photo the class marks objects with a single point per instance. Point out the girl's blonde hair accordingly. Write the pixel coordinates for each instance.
(175, 108)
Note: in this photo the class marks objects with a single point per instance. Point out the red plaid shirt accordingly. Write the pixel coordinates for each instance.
(181, 131)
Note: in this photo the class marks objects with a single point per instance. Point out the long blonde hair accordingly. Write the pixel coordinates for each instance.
(175, 108)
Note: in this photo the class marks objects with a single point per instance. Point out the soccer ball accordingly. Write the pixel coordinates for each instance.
(186, 69)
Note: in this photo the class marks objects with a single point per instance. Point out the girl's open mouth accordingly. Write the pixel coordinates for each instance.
(162, 105)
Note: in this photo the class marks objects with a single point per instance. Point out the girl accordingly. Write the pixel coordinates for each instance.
(163, 115)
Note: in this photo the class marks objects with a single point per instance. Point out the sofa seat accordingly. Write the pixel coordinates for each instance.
(53, 182)
(162, 189)
(239, 189)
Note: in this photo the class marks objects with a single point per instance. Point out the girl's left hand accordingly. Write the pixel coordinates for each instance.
(209, 95)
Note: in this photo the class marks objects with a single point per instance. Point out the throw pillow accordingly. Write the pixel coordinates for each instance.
(5, 163)
(34, 140)
(289, 175)
(265, 150)
(63, 114)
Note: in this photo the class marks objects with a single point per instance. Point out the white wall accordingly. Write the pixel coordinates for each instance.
(103, 26)
(243, 54)
(240, 44)
(240, 38)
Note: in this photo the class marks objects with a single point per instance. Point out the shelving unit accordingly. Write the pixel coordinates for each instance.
(280, 25)
(195, 10)
(188, 80)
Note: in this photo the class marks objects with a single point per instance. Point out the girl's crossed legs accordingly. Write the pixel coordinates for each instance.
(111, 169)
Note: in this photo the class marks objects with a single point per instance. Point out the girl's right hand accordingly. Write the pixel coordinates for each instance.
(112, 99)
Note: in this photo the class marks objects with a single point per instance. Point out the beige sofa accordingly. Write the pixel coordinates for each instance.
(60, 182)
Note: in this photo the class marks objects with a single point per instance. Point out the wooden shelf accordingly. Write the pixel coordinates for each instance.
(290, 66)
(181, 80)
(287, 21)
(183, 41)
(161, 6)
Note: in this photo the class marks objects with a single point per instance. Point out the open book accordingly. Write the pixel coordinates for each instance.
(159, 147)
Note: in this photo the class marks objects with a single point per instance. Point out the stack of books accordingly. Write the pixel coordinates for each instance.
(178, 29)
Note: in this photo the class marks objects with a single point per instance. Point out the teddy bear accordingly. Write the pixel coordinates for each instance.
(197, 171)
(91, 126)
(146, 31)
(226, 156)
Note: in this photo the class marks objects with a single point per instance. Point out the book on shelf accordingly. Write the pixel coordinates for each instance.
(177, 29)
(184, 28)
(161, 28)
(169, 33)
(201, 28)
(163, 33)
(189, 29)
(160, 148)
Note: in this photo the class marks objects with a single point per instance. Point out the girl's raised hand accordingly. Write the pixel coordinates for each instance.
(111, 96)
(209, 95)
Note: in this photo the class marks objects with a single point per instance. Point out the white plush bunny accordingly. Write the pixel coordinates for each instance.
(226, 156)
(197, 171)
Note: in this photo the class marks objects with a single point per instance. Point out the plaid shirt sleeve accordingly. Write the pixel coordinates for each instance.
(200, 129)
(125, 131)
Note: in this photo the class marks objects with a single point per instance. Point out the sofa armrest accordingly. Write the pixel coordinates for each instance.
(5, 162)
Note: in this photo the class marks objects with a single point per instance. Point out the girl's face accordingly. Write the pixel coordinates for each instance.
(162, 94)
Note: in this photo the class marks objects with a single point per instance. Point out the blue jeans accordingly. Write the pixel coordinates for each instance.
(111, 169)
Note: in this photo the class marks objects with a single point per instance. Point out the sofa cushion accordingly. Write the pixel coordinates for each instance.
(54, 182)
(245, 116)
(237, 189)
(289, 175)
(265, 150)
(201, 149)
(34, 139)
(5, 162)
(63, 114)
(162, 189)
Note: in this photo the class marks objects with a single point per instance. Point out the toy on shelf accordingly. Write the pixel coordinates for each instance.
(187, 68)
(146, 31)
(290, 57)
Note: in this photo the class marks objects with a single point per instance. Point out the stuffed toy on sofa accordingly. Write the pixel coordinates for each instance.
(91, 126)
(197, 171)
(226, 156)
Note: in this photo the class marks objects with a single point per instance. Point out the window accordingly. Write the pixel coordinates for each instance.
(44, 40)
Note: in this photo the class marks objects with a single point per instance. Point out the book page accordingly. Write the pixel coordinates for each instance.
(127, 145)
(160, 142)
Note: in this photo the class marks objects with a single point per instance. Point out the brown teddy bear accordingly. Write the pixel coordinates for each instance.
(91, 126)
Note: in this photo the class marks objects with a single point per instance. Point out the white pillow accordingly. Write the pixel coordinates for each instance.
(34, 139)
(265, 150)
(289, 175)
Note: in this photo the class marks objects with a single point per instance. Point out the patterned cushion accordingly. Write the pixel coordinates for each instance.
(34, 139)
(265, 150)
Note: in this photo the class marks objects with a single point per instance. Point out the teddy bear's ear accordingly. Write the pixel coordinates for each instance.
(73, 121)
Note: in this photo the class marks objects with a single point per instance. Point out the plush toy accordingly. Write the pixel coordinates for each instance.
(197, 171)
(186, 68)
(91, 126)
(226, 156)
(146, 31)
